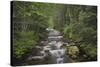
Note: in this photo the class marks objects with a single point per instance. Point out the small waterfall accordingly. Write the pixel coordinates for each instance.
(55, 41)
(52, 47)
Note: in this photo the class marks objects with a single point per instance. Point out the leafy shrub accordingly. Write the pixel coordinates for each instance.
(24, 42)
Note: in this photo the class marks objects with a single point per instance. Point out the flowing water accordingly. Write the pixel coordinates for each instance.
(52, 47)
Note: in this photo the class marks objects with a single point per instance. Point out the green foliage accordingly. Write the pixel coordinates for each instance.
(90, 50)
(24, 42)
(30, 21)
(83, 27)
(67, 31)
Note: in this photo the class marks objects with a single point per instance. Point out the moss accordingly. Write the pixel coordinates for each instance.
(73, 51)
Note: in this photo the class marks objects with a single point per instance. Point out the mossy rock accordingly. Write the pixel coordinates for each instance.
(73, 51)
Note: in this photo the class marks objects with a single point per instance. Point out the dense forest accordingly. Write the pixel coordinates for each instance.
(76, 23)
